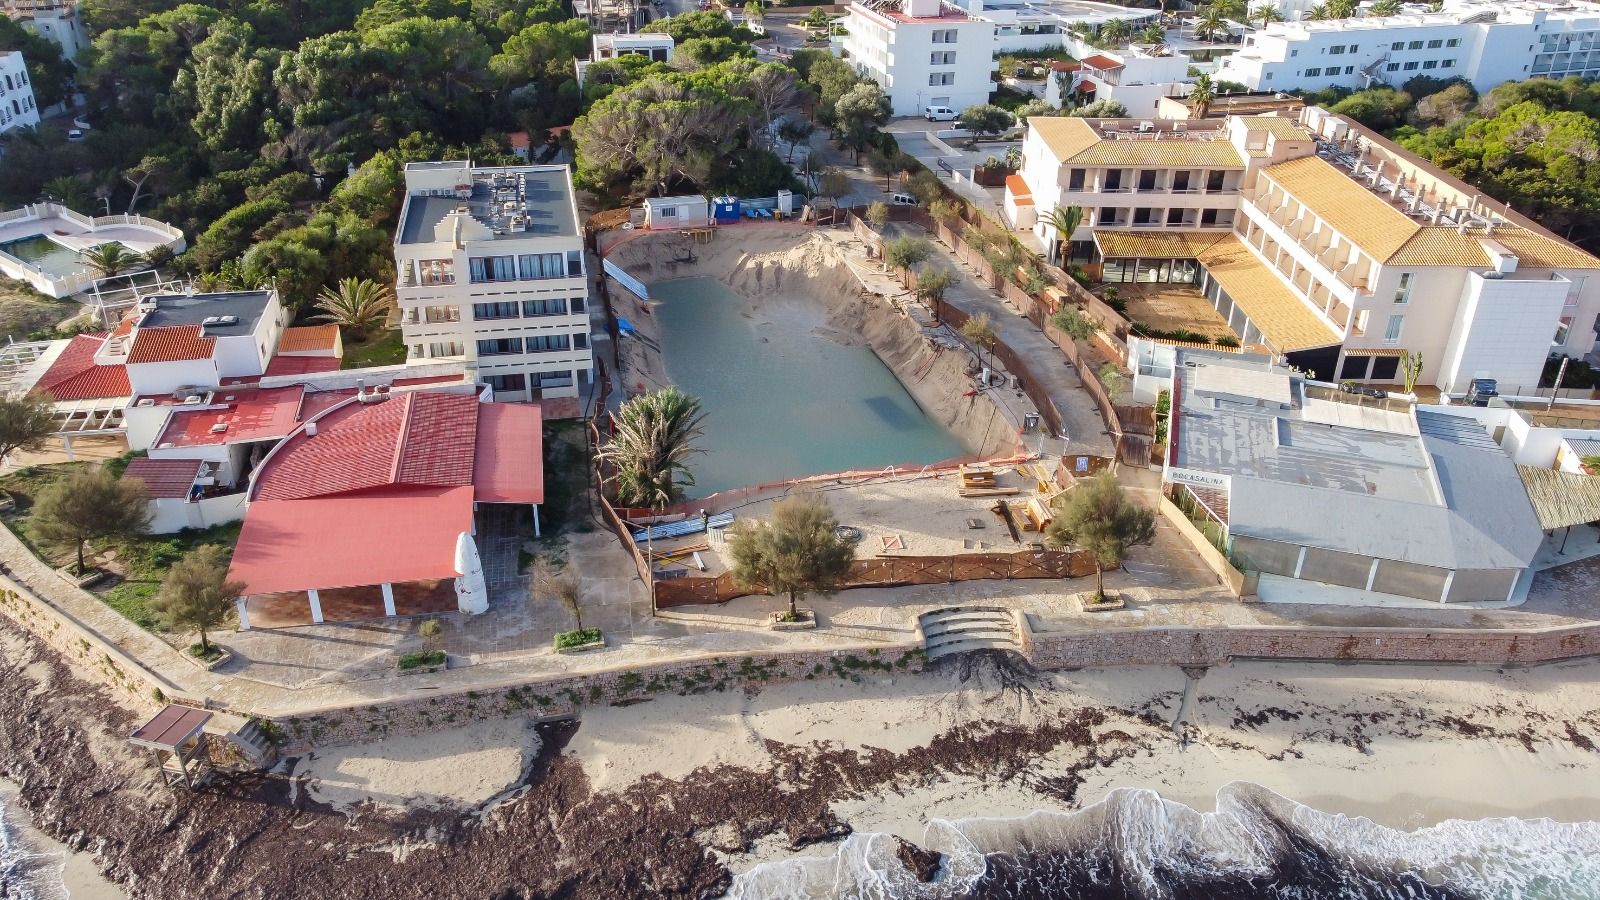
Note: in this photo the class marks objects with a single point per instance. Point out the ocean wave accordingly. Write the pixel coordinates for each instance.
(26, 873)
(1135, 845)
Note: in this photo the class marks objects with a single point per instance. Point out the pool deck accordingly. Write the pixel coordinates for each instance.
(75, 237)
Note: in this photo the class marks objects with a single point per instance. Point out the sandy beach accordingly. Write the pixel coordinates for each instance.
(676, 796)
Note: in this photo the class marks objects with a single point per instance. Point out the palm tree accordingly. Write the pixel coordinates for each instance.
(357, 304)
(1153, 34)
(1266, 14)
(1114, 32)
(158, 256)
(1436, 6)
(1318, 13)
(1384, 8)
(1210, 24)
(67, 191)
(1201, 96)
(1065, 220)
(653, 435)
(1341, 9)
(110, 258)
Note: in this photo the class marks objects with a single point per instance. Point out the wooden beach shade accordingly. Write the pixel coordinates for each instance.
(175, 736)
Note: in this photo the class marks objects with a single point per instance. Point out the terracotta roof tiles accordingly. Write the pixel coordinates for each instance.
(306, 338)
(74, 375)
(173, 343)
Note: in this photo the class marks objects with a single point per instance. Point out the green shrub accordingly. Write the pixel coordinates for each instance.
(420, 658)
(577, 637)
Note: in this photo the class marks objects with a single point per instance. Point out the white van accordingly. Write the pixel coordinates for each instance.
(940, 114)
(902, 200)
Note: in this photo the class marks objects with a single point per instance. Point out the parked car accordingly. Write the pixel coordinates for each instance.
(902, 200)
(940, 114)
(75, 135)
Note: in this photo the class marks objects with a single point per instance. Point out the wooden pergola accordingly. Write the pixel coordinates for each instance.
(176, 737)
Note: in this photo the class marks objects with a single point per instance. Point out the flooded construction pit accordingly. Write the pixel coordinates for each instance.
(799, 371)
(783, 399)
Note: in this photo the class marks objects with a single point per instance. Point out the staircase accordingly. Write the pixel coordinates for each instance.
(959, 629)
(244, 736)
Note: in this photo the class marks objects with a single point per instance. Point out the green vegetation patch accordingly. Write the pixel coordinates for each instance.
(420, 658)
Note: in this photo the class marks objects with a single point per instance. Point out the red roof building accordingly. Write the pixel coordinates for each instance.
(178, 343)
(367, 507)
(165, 479)
(75, 376)
(1101, 63)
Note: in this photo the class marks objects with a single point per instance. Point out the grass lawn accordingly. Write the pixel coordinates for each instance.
(142, 562)
(24, 311)
(381, 348)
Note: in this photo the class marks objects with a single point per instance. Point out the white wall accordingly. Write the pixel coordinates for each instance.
(165, 377)
(172, 515)
(1503, 330)
(899, 56)
(17, 106)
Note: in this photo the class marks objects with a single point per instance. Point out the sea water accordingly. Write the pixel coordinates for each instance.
(1257, 845)
(782, 401)
(27, 872)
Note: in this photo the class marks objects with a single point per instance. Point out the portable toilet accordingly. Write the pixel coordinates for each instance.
(785, 204)
(726, 209)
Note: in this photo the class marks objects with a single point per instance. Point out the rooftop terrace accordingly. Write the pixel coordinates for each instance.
(510, 202)
(227, 314)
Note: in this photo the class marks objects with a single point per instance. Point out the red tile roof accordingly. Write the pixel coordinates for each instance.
(509, 465)
(415, 438)
(165, 478)
(250, 414)
(74, 375)
(1061, 65)
(171, 344)
(302, 365)
(393, 535)
(1103, 63)
(306, 338)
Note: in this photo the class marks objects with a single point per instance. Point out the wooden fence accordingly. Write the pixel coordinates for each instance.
(898, 571)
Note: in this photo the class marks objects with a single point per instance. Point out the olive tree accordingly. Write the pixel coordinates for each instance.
(798, 552)
(1097, 517)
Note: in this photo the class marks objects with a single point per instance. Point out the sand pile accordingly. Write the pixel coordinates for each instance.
(401, 772)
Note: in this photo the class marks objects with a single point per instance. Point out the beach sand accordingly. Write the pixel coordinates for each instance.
(52, 865)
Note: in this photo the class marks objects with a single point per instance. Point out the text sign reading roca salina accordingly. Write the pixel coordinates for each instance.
(1199, 479)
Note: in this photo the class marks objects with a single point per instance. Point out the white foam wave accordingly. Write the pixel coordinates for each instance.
(1154, 840)
(27, 873)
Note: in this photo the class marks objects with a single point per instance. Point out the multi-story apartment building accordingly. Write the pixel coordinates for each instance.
(1319, 241)
(923, 53)
(1485, 43)
(17, 109)
(58, 20)
(655, 47)
(490, 269)
(1136, 77)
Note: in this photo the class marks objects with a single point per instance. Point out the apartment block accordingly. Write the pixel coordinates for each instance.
(58, 20)
(1317, 241)
(655, 47)
(490, 270)
(17, 109)
(922, 53)
(1485, 43)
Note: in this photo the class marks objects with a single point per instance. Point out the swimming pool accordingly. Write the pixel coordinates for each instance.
(51, 258)
(782, 401)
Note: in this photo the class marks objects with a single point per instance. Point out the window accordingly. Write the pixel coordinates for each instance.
(1349, 70)
(1392, 67)
(668, 212)
(1411, 66)
(1180, 181)
(580, 341)
(1453, 42)
(545, 343)
(939, 79)
(1414, 45)
(1447, 64)
(540, 265)
(1214, 182)
(494, 310)
(513, 382)
(1312, 73)
(1268, 78)
(1398, 45)
(942, 58)
(574, 263)
(1435, 44)
(1402, 294)
(1144, 216)
(1563, 329)
(1354, 47)
(1431, 64)
(944, 36)
(492, 268)
(1075, 180)
(1391, 333)
(1336, 50)
(562, 378)
(1175, 216)
(1147, 179)
(499, 346)
(548, 306)
(1294, 52)
(1208, 217)
(449, 348)
(1112, 180)
(577, 304)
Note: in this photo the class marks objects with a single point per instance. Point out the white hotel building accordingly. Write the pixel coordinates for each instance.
(926, 53)
(17, 109)
(1317, 241)
(490, 269)
(1485, 43)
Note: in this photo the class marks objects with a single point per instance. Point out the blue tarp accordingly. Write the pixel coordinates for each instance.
(684, 528)
(626, 327)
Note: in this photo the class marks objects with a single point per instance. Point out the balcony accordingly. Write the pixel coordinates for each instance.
(431, 315)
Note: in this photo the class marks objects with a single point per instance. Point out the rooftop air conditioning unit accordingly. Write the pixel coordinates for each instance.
(227, 320)
(165, 445)
(211, 320)
(219, 428)
(146, 402)
(311, 429)
(192, 400)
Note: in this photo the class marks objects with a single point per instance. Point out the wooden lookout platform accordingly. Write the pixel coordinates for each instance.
(175, 736)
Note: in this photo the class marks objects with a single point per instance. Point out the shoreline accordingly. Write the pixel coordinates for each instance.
(646, 798)
(50, 863)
